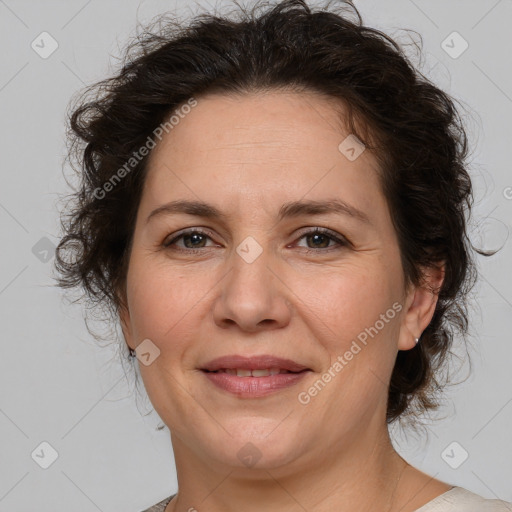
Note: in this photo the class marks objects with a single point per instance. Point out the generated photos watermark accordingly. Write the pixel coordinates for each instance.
(304, 397)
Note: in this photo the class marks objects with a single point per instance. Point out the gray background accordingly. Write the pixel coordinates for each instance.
(56, 384)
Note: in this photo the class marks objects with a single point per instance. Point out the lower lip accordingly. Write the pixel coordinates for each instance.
(253, 387)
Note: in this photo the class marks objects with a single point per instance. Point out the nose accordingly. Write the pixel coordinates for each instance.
(253, 296)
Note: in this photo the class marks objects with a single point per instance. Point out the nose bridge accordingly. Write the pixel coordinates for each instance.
(250, 275)
(251, 295)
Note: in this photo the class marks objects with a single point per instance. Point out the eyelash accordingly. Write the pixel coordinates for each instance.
(342, 242)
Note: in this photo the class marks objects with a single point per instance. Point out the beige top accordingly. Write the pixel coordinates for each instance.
(457, 499)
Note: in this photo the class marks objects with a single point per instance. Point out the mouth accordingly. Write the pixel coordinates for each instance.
(253, 377)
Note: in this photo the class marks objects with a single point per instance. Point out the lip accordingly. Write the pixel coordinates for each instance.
(254, 387)
(260, 362)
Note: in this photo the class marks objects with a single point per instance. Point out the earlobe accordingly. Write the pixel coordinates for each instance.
(421, 302)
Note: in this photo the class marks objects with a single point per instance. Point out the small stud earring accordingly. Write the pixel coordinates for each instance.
(416, 340)
(132, 352)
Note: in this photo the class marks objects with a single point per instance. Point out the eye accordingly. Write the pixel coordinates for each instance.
(319, 237)
(195, 236)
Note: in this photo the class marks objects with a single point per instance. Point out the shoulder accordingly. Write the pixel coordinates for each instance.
(459, 499)
(160, 506)
(456, 499)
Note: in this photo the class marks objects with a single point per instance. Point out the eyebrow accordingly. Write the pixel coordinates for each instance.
(287, 210)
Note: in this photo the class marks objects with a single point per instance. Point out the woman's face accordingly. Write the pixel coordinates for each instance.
(260, 282)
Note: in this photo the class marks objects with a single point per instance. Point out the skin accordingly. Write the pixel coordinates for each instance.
(247, 155)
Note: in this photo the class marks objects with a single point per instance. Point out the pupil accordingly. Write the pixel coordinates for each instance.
(194, 236)
(319, 235)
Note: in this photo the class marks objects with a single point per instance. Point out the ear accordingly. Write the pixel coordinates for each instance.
(125, 321)
(420, 305)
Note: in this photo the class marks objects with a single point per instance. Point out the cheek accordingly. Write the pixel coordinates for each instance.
(351, 307)
(162, 303)
(348, 299)
(359, 305)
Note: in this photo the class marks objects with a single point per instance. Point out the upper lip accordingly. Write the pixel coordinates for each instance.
(261, 362)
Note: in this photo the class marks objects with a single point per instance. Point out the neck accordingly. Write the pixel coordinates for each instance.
(360, 473)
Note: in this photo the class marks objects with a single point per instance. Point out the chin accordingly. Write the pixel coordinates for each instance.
(254, 445)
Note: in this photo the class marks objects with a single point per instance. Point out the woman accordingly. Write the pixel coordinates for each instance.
(274, 208)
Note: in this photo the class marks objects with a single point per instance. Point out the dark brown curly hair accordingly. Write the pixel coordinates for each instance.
(411, 126)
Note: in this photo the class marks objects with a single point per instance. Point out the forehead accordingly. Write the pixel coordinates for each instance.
(237, 123)
(258, 147)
